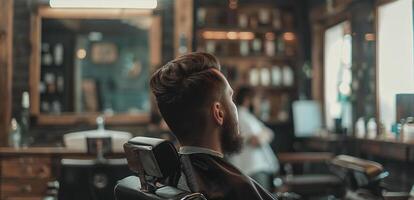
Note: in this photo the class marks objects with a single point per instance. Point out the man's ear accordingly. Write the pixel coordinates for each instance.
(218, 113)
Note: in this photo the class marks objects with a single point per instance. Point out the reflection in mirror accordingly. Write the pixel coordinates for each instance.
(95, 65)
(338, 76)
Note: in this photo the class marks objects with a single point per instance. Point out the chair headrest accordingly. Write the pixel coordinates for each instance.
(370, 168)
(152, 157)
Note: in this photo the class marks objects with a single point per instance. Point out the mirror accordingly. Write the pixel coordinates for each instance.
(338, 75)
(99, 63)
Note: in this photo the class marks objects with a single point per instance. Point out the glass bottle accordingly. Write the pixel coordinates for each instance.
(25, 120)
(15, 135)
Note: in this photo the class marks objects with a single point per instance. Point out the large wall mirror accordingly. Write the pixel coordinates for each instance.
(86, 63)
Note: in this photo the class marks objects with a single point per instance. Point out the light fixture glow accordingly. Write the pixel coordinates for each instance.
(232, 35)
(81, 54)
(369, 36)
(136, 4)
(289, 36)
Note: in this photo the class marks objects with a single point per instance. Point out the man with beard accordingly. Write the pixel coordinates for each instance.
(195, 100)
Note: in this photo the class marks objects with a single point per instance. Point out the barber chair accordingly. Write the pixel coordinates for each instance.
(307, 186)
(363, 178)
(157, 168)
(91, 179)
(352, 178)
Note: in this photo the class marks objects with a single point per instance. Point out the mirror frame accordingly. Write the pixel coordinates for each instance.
(34, 78)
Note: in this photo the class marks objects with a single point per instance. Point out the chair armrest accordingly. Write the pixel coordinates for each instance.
(304, 157)
(396, 195)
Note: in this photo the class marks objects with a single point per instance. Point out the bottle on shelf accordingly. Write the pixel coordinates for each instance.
(360, 128)
(270, 44)
(25, 119)
(201, 16)
(264, 17)
(280, 46)
(56, 107)
(288, 76)
(244, 48)
(15, 135)
(276, 76)
(58, 54)
(254, 76)
(371, 129)
(257, 46)
(211, 46)
(264, 76)
(47, 58)
(265, 108)
(243, 20)
(45, 106)
(50, 80)
(276, 21)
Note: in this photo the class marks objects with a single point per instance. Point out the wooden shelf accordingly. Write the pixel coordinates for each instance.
(227, 28)
(276, 58)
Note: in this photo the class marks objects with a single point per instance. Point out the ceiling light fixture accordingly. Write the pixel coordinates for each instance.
(135, 4)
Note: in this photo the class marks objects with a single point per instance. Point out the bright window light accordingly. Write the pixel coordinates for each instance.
(395, 56)
(136, 4)
(337, 74)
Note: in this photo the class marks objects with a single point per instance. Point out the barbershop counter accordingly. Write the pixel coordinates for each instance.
(26, 172)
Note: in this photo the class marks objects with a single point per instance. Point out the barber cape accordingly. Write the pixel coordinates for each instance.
(218, 179)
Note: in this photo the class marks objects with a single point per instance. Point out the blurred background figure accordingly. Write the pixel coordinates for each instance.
(256, 159)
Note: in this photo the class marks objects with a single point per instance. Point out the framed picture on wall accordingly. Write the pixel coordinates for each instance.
(104, 53)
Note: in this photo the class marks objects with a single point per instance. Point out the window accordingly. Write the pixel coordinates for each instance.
(395, 56)
(337, 74)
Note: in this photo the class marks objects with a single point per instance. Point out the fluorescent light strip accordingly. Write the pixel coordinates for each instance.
(136, 4)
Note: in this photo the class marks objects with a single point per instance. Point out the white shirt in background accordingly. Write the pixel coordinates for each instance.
(255, 159)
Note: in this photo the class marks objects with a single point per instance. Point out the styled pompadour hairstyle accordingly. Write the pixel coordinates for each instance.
(184, 89)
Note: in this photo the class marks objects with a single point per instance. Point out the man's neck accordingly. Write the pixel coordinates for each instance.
(211, 147)
(212, 142)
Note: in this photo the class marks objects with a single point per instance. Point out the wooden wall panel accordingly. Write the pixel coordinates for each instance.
(6, 38)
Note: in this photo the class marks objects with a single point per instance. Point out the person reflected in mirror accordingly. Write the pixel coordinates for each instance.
(196, 102)
(257, 158)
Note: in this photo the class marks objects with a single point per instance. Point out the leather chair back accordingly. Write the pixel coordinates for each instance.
(158, 167)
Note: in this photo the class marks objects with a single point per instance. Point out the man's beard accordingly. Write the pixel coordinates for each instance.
(231, 140)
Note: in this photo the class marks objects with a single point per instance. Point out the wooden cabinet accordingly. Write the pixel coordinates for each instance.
(23, 187)
(25, 176)
(25, 173)
(26, 167)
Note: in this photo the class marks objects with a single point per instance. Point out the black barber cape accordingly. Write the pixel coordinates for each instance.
(219, 180)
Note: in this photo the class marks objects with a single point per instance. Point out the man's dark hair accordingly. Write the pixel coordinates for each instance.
(243, 93)
(184, 89)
